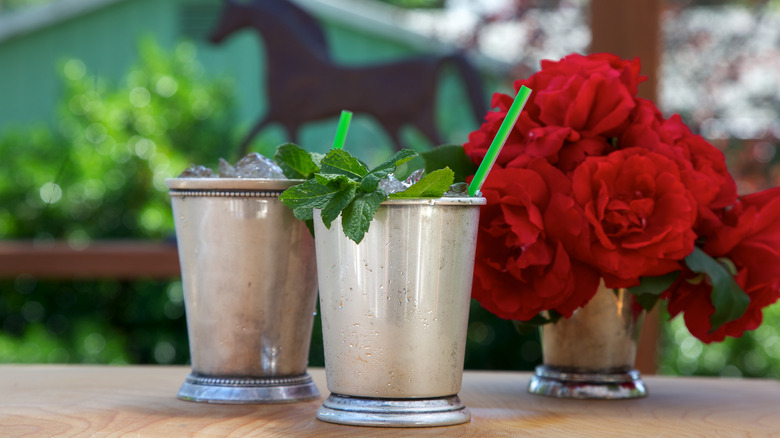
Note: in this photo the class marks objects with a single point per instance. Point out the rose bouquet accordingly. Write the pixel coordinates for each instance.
(595, 184)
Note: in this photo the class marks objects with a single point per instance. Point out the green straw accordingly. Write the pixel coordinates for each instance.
(498, 142)
(341, 131)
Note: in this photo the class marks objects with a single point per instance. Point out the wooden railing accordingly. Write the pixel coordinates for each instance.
(123, 260)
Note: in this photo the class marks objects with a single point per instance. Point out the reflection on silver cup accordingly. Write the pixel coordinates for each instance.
(249, 277)
(395, 313)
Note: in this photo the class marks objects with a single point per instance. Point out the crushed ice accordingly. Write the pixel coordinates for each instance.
(253, 165)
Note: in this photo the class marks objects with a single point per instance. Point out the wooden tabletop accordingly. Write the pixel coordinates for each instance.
(140, 401)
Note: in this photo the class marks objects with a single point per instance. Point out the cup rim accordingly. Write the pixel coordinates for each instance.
(459, 200)
(216, 183)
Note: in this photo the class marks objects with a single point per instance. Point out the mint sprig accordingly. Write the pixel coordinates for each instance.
(340, 184)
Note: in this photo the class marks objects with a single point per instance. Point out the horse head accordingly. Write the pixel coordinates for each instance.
(233, 18)
(276, 19)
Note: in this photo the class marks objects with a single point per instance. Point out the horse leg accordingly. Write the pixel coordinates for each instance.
(244, 146)
(394, 130)
(426, 124)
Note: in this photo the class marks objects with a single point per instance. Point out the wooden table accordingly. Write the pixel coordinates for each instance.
(140, 401)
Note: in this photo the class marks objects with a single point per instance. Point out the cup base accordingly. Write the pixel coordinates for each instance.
(238, 390)
(562, 383)
(365, 411)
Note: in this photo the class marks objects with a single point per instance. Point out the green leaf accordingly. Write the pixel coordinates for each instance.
(525, 327)
(340, 162)
(452, 156)
(317, 158)
(295, 162)
(337, 203)
(371, 180)
(432, 185)
(651, 288)
(335, 180)
(357, 216)
(302, 198)
(729, 300)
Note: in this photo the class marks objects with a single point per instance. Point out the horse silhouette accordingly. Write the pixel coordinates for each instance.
(305, 84)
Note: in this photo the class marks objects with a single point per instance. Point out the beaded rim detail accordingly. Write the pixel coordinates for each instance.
(225, 193)
(248, 381)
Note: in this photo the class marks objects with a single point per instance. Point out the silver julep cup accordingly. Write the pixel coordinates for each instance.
(250, 286)
(395, 312)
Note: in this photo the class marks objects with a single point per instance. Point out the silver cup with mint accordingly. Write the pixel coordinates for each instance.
(249, 276)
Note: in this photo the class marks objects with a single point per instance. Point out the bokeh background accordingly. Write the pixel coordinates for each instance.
(101, 100)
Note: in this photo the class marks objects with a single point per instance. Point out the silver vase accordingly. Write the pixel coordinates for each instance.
(395, 312)
(249, 276)
(592, 354)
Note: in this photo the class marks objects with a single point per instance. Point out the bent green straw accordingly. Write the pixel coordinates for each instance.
(498, 141)
(341, 131)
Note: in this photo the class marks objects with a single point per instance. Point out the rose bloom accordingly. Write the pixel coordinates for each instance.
(519, 271)
(749, 237)
(577, 103)
(702, 166)
(639, 214)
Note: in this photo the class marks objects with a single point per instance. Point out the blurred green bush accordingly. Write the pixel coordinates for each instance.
(100, 174)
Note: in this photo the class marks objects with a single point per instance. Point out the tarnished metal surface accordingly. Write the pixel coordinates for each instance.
(249, 278)
(592, 354)
(395, 307)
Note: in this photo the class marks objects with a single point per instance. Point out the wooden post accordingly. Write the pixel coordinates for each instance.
(630, 29)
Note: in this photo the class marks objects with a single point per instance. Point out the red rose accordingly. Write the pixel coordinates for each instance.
(576, 105)
(593, 95)
(519, 272)
(639, 213)
(702, 166)
(749, 237)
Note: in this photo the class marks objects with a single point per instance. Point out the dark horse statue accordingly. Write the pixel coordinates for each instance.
(305, 84)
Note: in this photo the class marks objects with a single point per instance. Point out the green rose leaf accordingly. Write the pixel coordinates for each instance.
(371, 180)
(432, 185)
(452, 156)
(540, 319)
(729, 300)
(340, 162)
(357, 216)
(295, 162)
(651, 288)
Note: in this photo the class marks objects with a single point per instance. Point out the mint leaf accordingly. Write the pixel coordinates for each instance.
(432, 185)
(729, 300)
(304, 197)
(651, 288)
(371, 180)
(452, 156)
(337, 203)
(334, 180)
(340, 162)
(357, 216)
(317, 158)
(295, 162)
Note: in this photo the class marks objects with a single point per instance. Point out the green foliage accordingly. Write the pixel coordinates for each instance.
(755, 354)
(729, 300)
(101, 175)
(650, 289)
(344, 185)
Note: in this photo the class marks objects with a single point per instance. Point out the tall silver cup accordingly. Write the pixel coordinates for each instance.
(250, 287)
(395, 312)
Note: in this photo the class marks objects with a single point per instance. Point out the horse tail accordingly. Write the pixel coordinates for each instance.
(474, 85)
